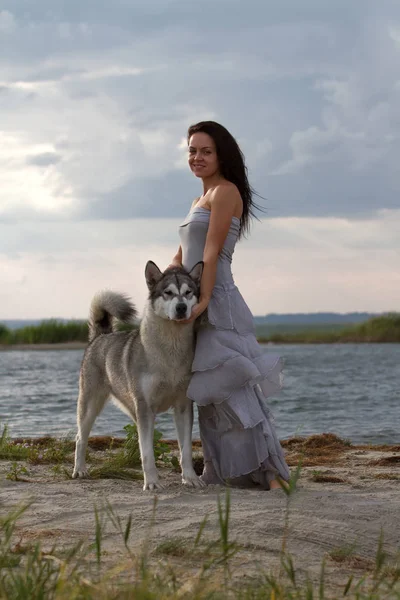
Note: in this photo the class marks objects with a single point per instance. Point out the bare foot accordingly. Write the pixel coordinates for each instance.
(277, 485)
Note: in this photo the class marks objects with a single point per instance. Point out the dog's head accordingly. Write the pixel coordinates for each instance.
(174, 292)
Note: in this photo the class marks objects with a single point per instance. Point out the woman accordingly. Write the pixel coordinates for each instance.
(231, 375)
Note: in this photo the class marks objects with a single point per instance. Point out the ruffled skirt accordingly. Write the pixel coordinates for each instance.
(231, 380)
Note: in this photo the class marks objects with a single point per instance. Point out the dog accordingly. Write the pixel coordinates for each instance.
(145, 371)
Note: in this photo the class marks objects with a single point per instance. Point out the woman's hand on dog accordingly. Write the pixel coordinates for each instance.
(197, 310)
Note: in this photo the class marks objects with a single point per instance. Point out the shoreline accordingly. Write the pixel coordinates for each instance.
(83, 345)
(103, 442)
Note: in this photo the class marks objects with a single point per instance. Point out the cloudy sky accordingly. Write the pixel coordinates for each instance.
(95, 101)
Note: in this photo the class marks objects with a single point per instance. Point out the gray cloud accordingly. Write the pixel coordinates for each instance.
(169, 195)
(43, 160)
(107, 99)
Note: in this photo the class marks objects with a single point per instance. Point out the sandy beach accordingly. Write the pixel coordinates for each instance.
(345, 496)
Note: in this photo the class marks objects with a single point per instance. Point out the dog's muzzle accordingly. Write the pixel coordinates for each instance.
(180, 310)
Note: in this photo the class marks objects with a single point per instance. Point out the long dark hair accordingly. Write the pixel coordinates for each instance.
(232, 167)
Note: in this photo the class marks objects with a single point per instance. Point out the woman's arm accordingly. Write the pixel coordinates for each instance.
(223, 202)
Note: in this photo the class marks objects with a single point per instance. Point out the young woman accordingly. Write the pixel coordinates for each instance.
(231, 374)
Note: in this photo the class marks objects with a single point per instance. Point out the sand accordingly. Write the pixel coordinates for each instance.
(346, 499)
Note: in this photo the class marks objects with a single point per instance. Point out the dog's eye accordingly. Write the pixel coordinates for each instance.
(188, 293)
(168, 293)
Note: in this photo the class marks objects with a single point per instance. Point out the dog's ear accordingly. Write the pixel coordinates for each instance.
(152, 274)
(197, 272)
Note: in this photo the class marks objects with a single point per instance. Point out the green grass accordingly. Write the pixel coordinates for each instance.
(342, 553)
(173, 547)
(121, 463)
(11, 451)
(42, 451)
(17, 472)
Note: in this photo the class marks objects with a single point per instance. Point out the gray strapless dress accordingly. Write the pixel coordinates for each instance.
(232, 376)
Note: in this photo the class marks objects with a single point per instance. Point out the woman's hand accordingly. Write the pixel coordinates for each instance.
(177, 260)
(197, 310)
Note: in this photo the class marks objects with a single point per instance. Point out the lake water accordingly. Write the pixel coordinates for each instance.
(352, 390)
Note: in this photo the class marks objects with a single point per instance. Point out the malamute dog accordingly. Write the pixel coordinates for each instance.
(145, 371)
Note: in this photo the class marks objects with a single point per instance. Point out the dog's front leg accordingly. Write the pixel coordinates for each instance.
(145, 425)
(183, 414)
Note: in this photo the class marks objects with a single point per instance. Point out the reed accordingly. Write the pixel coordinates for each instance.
(51, 331)
(47, 332)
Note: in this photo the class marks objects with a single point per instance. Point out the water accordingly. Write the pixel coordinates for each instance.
(352, 390)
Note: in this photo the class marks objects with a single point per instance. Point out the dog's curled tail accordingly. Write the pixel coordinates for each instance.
(106, 308)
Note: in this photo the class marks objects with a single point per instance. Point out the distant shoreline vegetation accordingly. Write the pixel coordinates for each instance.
(50, 331)
(381, 329)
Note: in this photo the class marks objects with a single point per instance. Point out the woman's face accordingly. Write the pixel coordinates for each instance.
(203, 160)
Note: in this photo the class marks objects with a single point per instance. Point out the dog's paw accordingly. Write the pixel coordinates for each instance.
(152, 486)
(151, 480)
(190, 479)
(80, 473)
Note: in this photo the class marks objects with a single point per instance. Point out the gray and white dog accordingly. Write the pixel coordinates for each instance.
(145, 371)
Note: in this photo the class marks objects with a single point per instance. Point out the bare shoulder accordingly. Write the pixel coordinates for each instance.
(195, 201)
(226, 195)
